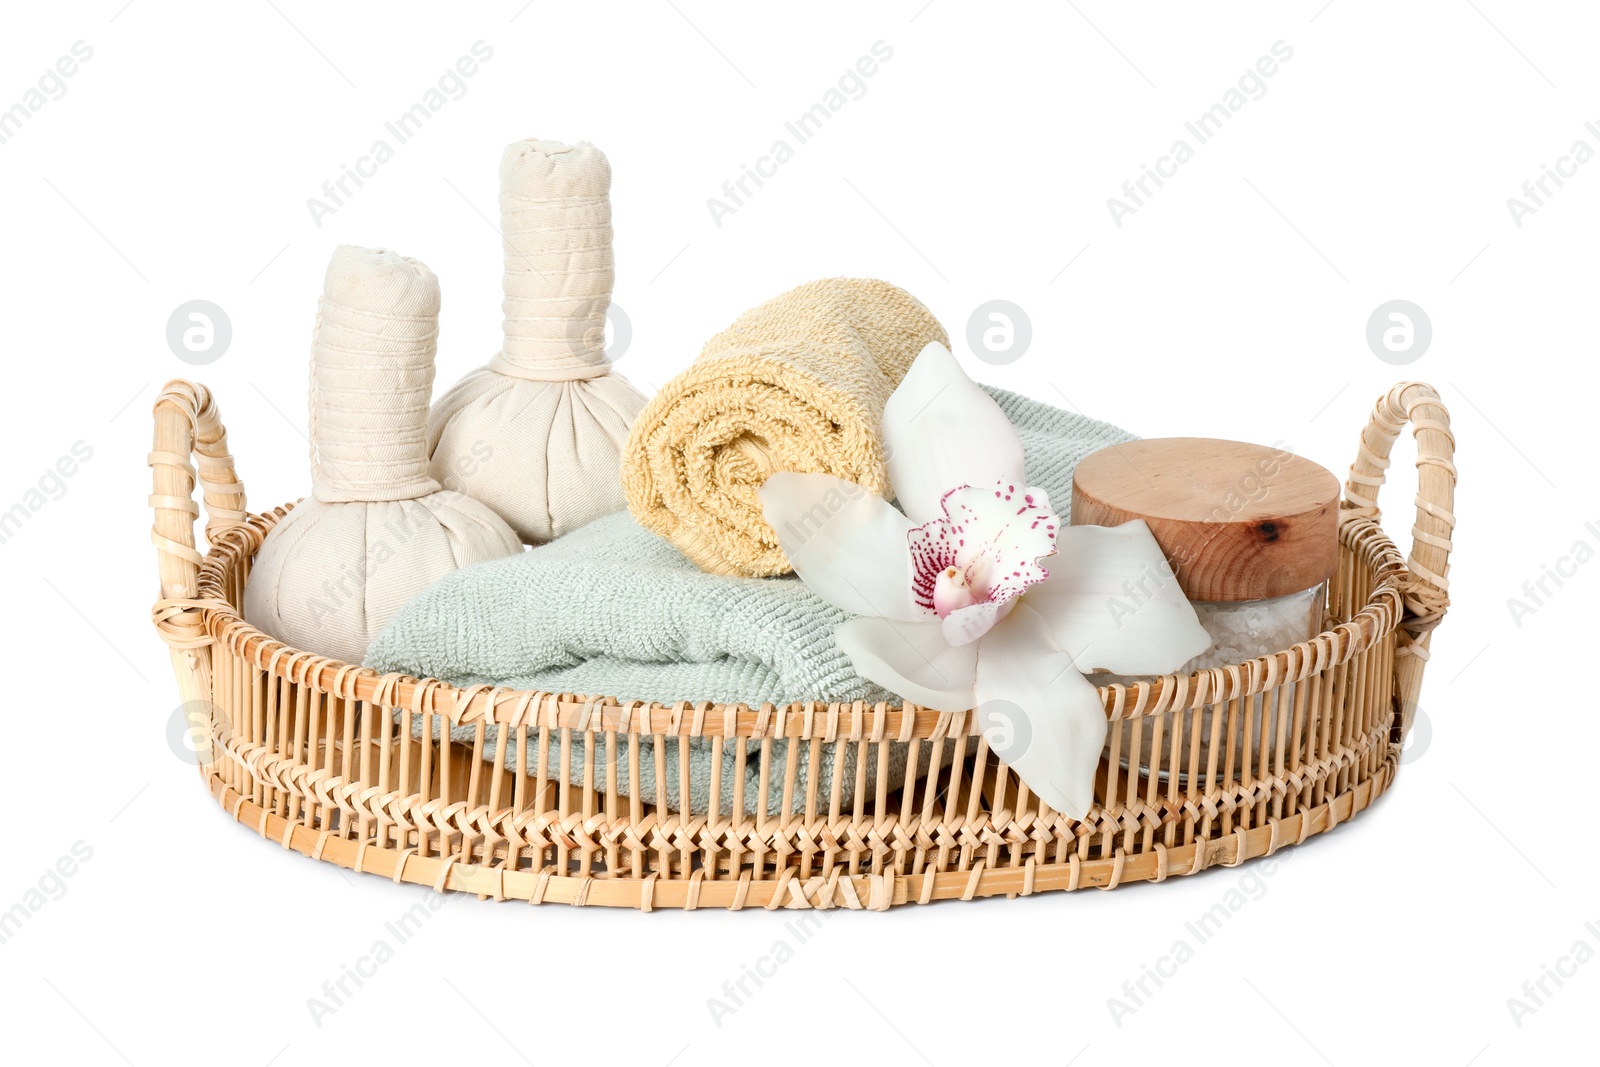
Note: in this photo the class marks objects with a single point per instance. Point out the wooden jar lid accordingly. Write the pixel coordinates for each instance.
(1237, 521)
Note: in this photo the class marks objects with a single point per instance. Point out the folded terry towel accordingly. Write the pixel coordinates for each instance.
(798, 384)
(614, 610)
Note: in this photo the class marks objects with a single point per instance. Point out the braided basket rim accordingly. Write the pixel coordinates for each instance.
(224, 623)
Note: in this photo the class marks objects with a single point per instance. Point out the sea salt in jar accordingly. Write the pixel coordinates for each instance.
(1251, 536)
(1241, 630)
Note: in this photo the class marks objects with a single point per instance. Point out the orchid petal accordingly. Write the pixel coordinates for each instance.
(965, 625)
(1004, 533)
(1039, 715)
(942, 431)
(847, 544)
(986, 548)
(1112, 603)
(932, 549)
(911, 659)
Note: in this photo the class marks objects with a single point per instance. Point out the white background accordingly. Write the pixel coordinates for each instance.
(977, 165)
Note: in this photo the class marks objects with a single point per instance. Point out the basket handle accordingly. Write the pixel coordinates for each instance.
(187, 424)
(1426, 587)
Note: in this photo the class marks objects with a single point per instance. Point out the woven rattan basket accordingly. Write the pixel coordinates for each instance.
(323, 757)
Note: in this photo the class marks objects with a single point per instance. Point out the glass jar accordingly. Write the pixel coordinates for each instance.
(1241, 630)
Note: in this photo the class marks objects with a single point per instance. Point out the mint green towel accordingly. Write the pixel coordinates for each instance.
(612, 609)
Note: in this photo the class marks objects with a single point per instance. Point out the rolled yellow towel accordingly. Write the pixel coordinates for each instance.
(797, 384)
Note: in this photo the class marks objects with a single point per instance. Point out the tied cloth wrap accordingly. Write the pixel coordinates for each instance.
(377, 528)
(535, 434)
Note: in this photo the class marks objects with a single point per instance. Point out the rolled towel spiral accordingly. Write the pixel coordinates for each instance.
(536, 433)
(377, 528)
(799, 384)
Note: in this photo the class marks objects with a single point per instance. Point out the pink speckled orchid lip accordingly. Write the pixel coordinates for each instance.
(982, 555)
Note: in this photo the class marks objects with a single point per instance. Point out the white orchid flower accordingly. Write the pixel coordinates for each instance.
(956, 610)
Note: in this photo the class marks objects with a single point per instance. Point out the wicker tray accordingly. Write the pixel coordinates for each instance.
(320, 756)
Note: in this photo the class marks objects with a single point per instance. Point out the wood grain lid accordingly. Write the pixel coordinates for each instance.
(1237, 521)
